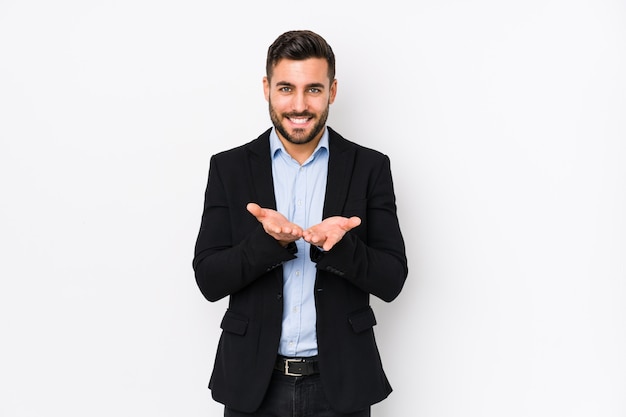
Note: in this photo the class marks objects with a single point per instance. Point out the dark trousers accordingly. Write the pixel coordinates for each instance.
(290, 396)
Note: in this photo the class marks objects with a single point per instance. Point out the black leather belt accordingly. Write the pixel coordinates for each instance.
(297, 366)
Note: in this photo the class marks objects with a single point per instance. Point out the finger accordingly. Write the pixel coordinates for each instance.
(353, 222)
(310, 237)
(254, 209)
(252, 206)
(329, 243)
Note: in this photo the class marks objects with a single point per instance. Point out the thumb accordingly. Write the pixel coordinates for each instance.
(254, 209)
(353, 222)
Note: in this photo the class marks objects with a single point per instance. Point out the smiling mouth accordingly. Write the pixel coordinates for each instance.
(299, 120)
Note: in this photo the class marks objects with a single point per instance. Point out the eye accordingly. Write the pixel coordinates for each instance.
(284, 89)
(314, 90)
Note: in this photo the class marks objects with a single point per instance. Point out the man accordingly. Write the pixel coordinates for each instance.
(299, 228)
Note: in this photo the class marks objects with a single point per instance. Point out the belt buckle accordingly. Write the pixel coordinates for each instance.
(287, 362)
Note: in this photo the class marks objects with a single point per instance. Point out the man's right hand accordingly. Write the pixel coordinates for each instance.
(275, 224)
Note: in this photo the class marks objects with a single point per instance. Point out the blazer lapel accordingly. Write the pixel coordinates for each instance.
(340, 163)
(261, 171)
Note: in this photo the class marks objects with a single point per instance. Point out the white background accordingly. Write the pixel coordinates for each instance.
(506, 126)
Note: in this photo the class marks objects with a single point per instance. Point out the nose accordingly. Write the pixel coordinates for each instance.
(299, 103)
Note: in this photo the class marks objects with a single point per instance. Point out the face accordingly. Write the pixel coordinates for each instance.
(299, 96)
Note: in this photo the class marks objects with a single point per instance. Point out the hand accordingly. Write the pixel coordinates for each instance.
(275, 224)
(330, 231)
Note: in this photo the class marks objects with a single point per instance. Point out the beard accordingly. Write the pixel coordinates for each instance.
(298, 136)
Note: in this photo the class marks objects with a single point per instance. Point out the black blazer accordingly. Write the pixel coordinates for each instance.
(235, 257)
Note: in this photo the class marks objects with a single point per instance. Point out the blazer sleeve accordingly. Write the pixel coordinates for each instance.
(371, 256)
(232, 250)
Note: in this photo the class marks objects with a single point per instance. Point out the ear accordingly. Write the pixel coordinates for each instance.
(266, 88)
(333, 92)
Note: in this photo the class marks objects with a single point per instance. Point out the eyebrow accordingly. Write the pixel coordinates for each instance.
(288, 84)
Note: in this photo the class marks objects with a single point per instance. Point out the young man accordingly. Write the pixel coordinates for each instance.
(299, 228)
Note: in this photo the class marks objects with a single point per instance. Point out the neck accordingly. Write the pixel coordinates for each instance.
(300, 151)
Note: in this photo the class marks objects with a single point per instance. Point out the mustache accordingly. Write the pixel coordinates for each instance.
(302, 114)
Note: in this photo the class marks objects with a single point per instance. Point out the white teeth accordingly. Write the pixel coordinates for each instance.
(299, 121)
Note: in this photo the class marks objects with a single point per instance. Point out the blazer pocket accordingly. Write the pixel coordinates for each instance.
(234, 323)
(362, 320)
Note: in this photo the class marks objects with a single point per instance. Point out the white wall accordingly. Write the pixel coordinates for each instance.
(506, 126)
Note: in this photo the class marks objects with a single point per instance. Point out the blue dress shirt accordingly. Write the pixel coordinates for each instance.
(300, 191)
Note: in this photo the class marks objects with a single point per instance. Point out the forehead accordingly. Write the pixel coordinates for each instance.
(301, 71)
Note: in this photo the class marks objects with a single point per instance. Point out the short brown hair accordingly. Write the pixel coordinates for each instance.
(300, 45)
